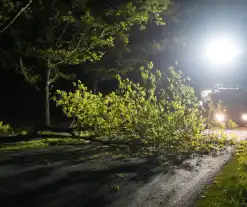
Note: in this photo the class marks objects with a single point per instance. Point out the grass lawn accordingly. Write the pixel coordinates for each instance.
(229, 189)
(39, 144)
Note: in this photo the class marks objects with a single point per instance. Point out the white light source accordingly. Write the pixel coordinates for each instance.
(222, 51)
(220, 117)
(244, 117)
(205, 93)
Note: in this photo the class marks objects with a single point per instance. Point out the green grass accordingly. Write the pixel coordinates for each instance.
(39, 144)
(228, 189)
(215, 194)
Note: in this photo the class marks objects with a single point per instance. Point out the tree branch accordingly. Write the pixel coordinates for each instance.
(63, 32)
(22, 69)
(56, 76)
(18, 14)
(78, 44)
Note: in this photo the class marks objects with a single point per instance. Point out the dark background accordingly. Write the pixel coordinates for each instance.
(22, 104)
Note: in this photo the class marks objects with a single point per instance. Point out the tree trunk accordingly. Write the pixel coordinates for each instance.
(95, 86)
(47, 98)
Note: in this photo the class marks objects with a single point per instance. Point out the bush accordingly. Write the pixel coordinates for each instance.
(165, 118)
(4, 127)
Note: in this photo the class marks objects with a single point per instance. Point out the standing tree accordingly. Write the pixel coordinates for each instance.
(42, 36)
(156, 43)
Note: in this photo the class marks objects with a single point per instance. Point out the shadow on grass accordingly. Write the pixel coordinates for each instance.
(74, 181)
(51, 154)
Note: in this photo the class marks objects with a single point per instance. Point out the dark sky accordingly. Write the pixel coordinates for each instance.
(201, 19)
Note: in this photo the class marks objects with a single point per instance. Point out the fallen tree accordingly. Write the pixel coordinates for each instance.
(162, 118)
(139, 115)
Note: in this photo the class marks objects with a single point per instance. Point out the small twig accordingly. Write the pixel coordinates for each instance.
(78, 44)
(63, 32)
(18, 14)
(74, 50)
(53, 79)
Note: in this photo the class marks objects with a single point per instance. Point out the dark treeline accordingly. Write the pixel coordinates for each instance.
(46, 45)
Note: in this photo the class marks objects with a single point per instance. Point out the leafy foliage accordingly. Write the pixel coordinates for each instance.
(212, 110)
(4, 127)
(164, 118)
(74, 32)
(231, 124)
(50, 35)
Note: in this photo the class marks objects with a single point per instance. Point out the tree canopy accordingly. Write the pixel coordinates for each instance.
(38, 37)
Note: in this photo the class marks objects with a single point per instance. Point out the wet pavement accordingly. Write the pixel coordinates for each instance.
(74, 176)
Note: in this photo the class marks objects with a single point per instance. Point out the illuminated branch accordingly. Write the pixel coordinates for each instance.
(19, 13)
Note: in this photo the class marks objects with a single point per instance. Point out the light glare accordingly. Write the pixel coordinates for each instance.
(222, 51)
(244, 117)
(220, 117)
(206, 92)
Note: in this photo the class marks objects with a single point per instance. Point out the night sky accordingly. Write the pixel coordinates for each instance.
(211, 18)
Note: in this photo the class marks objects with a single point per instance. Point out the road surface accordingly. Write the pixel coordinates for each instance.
(86, 176)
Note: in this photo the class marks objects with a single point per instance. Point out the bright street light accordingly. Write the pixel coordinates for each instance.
(244, 117)
(222, 51)
(220, 117)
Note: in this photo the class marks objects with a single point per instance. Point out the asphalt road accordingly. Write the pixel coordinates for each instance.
(85, 176)
(180, 187)
(239, 134)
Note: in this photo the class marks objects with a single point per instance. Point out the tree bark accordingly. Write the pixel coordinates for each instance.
(95, 86)
(47, 98)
